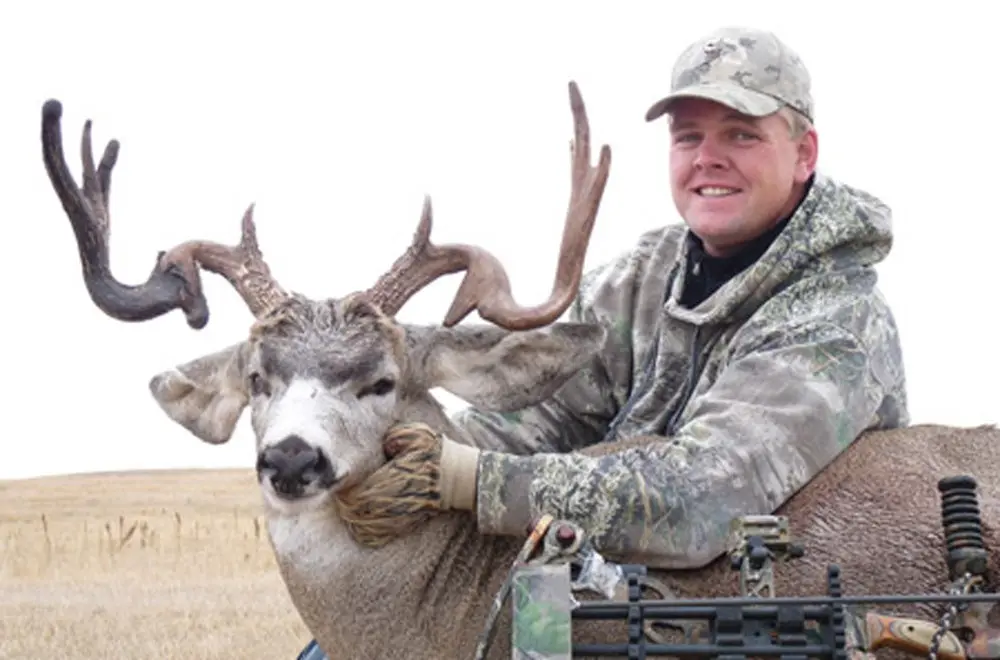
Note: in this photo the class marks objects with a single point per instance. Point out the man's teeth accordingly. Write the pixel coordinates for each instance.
(712, 191)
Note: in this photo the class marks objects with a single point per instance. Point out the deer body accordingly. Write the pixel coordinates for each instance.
(324, 381)
(874, 511)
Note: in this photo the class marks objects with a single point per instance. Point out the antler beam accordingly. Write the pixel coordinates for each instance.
(174, 282)
(486, 287)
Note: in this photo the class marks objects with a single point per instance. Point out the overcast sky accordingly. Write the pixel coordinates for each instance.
(336, 119)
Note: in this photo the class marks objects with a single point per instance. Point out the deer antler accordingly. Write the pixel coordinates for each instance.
(486, 286)
(175, 281)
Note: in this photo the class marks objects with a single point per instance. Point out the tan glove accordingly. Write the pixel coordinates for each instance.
(426, 473)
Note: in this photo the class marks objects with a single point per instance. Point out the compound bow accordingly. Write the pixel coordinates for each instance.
(758, 623)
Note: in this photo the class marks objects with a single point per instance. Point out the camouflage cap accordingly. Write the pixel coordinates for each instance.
(749, 70)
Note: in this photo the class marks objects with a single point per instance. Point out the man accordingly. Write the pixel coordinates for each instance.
(749, 345)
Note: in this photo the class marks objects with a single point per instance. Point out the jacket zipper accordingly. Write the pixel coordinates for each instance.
(694, 370)
(648, 372)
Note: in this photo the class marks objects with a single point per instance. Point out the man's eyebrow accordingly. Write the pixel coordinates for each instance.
(742, 118)
(737, 117)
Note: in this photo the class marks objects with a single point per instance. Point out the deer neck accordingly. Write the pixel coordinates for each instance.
(341, 588)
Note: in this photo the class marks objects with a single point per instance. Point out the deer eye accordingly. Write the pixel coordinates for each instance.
(381, 387)
(258, 385)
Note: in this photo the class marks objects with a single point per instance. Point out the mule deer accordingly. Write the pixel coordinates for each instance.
(325, 380)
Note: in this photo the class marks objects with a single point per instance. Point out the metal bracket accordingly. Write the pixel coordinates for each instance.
(755, 543)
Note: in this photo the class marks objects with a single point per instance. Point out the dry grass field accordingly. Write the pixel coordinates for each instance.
(137, 565)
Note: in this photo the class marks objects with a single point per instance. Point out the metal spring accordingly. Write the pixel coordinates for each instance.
(963, 528)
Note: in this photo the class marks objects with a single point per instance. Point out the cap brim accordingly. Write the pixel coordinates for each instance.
(738, 98)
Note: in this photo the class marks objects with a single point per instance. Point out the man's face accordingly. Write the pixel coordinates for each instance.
(733, 176)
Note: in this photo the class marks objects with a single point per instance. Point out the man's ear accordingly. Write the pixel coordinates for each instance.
(497, 369)
(206, 396)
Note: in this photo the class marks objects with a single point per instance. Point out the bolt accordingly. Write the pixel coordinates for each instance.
(565, 535)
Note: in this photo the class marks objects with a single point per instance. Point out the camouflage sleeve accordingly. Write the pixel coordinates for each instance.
(776, 415)
(575, 416)
(578, 414)
(555, 425)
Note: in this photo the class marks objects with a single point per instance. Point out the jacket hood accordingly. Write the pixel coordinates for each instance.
(836, 227)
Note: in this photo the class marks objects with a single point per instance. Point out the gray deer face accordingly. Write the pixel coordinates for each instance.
(325, 381)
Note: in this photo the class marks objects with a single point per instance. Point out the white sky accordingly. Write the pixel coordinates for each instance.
(337, 118)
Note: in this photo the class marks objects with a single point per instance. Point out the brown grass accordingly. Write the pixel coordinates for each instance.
(164, 564)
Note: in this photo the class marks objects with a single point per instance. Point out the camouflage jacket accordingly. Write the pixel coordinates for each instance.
(727, 408)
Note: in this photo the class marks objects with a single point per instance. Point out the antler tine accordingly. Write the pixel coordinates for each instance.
(421, 263)
(242, 265)
(486, 286)
(174, 282)
(87, 210)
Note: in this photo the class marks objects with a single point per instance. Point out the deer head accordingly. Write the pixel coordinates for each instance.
(325, 379)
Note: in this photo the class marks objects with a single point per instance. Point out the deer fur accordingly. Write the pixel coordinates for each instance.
(875, 510)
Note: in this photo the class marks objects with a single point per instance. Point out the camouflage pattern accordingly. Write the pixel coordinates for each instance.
(856, 638)
(749, 70)
(689, 418)
(542, 614)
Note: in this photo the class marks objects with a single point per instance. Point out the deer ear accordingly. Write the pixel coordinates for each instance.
(496, 369)
(207, 395)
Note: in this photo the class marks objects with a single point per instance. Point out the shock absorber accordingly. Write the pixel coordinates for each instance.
(963, 528)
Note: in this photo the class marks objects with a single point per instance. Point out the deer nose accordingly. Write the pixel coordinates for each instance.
(292, 465)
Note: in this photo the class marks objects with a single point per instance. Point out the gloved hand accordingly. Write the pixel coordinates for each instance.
(426, 473)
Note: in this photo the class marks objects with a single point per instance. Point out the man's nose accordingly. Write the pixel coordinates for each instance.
(709, 154)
